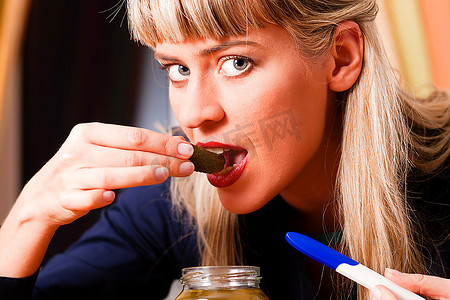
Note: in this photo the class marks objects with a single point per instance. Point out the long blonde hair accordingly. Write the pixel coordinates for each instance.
(385, 131)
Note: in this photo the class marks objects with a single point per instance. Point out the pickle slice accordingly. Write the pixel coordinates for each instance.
(206, 161)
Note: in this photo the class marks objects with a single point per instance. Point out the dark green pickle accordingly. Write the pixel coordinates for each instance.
(206, 161)
(227, 282)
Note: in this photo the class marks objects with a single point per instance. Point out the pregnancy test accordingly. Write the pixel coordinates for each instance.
(345, 265)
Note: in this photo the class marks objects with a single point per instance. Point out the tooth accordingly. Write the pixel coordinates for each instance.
(226, 170)
(216, 150)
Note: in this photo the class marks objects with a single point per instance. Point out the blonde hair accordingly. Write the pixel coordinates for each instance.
(385, 131)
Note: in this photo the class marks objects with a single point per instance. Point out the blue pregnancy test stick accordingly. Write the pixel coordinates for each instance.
(346, 266)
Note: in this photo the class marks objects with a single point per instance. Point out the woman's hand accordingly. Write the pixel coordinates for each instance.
(429, 286)
(94, 160)
(97, 158)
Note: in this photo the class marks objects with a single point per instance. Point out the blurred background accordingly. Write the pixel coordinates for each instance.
(72, 61)
(63, 63)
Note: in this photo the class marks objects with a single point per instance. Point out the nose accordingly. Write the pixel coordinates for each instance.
(199, 104)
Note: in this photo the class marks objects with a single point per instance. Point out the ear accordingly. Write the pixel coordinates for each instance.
(347, 56)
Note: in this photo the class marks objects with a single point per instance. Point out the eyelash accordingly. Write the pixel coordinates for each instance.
(222, 60)
(164, 67)
(246, 58)
(225, 58)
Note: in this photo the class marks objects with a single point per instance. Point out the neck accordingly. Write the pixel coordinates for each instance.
(312, 193)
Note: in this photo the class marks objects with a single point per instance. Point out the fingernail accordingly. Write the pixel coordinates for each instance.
(186, 168)
(161, 173)
(108, 196)
(394, 272)
(185, 149)
(375, 293)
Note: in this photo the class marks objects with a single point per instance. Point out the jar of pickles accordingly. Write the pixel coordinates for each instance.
(221, 282)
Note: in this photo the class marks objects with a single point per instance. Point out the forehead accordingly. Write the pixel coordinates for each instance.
(266, 38)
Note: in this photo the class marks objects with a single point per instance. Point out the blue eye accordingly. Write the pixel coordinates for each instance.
(178, 72)
(235, 65)
(183, 70)
(240, 64)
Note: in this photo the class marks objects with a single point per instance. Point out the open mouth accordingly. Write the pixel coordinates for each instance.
(236, 159)
(233, 157)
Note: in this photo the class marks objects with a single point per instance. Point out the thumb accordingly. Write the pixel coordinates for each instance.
(380, 292)
(428, 286)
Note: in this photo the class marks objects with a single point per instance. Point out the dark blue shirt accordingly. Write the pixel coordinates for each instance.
(139, 246)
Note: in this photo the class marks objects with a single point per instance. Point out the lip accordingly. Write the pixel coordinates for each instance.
(224, 180)
(214, 144)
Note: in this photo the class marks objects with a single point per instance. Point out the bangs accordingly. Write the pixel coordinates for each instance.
(155, 21)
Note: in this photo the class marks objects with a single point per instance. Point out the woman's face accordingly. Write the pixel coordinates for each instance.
(256, 95)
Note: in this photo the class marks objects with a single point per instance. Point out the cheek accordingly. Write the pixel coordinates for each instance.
(288, 120)
(176, 105)
(286, 111)
(275, 87)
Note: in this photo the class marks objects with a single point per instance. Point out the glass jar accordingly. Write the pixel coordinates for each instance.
(217, 282)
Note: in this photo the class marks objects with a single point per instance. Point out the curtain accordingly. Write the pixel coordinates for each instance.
(78, 66)
(13, 15)
(416, 34)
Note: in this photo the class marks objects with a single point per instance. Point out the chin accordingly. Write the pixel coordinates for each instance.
(242, 202)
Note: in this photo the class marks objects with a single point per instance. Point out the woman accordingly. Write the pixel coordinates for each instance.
(318, 137)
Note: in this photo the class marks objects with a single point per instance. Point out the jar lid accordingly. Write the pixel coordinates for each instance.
(221, 277)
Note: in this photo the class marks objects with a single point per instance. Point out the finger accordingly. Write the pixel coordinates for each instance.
(123, 177)
(120, 177)
(428, 286)
(382, 292)
(82, 201)
(132, 138)
(98, 156)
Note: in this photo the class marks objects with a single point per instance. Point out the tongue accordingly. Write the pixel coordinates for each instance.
(239, 157)
(233, 157)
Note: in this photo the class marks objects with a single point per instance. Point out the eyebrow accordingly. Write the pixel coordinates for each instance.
(211, 50)
(224, 46)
